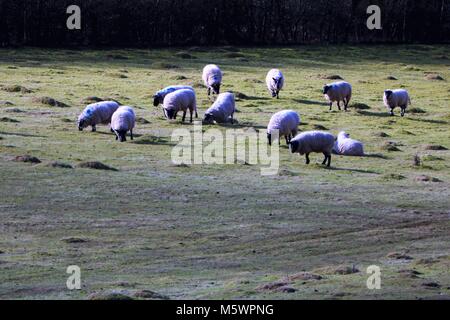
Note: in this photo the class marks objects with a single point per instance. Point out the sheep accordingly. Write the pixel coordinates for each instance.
(123, 120)
(338, 91)
(222, 110)
(275, 82)
(313, 141)
(97, 113)
(396, 98)
(159, 96)
(348, 147)
(286, 122)
(180, 100)
(212, 78)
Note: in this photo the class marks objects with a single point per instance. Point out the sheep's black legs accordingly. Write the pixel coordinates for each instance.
(191, 112)
(287, 139)
(346, 101)
(327, 158)
(307, 158)
(196, 114)
(392, 112)
(94, 128)
(331, 106)
(209, 92)
(339, 105)
(232, 118)
(278, 94)
(184, 116)
(403, 111)
(131, 134)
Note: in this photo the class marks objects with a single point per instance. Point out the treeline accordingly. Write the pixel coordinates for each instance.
(146, 23)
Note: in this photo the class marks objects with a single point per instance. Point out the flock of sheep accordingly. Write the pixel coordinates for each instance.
(180, 98)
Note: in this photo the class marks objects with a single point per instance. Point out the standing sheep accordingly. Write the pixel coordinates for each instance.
(123, 120)
(222, 110)
(286, 122)
(180, 100)
(275, 82)
(159, 96)
(348, 147)
(313, 141)
(396, 98)
(97, 113)
(338, 91)
(212, 78)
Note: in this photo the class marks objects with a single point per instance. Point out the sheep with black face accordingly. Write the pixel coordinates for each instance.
(212, 78)
(313, 141)
(97, 113)
(159, 96)
(123, 120)
(396, 98)
(180, 100)
(337, 92)
(275, 82)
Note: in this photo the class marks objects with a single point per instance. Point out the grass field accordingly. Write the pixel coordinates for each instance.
(224, 231)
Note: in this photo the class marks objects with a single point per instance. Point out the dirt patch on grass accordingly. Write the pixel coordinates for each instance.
(390, 147)
(434, 147)
(16, 89)
(319, 127)
(74, 240)
(425, 178)
(240, 95)
(381, 134)
(27, 159)
(431, 285)
(141, 120)
(6, 119)
(434, 77)
(50, 102)
(14, 110)
(148, 294)
(234, 55)
(392, 78)
(305, 276)
(331, 77)
(92, 99)
(179, 78)
(412, 274)
(399, 256)
(338, 270)
(95, 165)
(109, 295)
(57, 164)
(393, 176)
(359, 106)
(273, 285)
(6, 103)
(416, 110)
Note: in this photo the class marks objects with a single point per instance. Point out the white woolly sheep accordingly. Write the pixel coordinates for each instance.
(123, 120)
(338, 91)
(180, 100)
(222, 110)
(313, 141)
(212, 78)
(275, 82)
(159, 96)
(286, 122)
(348, 147)
(97, 113)
(396, 98)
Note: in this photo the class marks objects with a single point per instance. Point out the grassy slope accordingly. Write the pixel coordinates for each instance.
(226, 230)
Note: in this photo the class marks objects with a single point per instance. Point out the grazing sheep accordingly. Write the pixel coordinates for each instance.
(275, 82)
(180, 100)
(286, 122)
(348, 147)
(212, 78)
(159, 96)
(338, 91)
(97, 113)
(123, 120)
(313, 141)
(396, 98)
(222, 110)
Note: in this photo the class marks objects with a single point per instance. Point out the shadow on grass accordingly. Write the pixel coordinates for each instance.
(352, 170)
(153, 140)
(374, 114)
(22, 134)
(310, 102)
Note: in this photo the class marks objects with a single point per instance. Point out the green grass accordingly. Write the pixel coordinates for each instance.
(222, 232)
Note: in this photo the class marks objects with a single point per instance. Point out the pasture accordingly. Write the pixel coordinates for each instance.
(214, 232)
